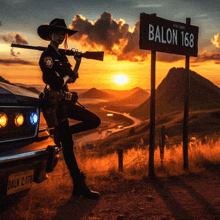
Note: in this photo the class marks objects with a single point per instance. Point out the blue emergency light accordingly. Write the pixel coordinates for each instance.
(34, 118)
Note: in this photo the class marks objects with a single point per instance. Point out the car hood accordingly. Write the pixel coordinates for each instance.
(10, 94)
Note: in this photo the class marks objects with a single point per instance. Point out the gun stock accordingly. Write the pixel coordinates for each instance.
(99, 55)
(94, 55)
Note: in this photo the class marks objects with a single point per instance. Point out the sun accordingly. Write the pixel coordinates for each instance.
(121, 79)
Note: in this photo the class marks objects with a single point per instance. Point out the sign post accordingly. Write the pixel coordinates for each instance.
(158, 34)
(152, 114)
(186, 111)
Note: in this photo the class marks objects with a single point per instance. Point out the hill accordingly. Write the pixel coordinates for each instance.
(94, 93)
(203, 95)
(121, 94)
(131, 101)
(4, 80)
(136, 98)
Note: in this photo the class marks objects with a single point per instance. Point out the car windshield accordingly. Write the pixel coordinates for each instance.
(10, 89)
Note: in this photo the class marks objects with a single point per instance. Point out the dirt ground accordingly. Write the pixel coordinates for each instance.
(189, 196)
(185, 197)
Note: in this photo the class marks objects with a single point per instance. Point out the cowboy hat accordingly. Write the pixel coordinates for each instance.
(56, 24)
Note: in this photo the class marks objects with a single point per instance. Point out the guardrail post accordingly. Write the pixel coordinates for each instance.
(120, 160)
(162, 144)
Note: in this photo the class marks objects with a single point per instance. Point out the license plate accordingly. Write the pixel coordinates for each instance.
(20, 181)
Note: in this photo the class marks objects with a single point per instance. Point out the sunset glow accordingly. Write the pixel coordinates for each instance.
(125, 66)
(121, 79)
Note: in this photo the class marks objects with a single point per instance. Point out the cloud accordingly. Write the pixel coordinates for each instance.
(194, 65)
(179, 15)
(14, 38)
(12, 52)
(148, 6)
(169, 58)
(207, 57)
(114, 37)
(201, 16)
(216, 40)
(7, 62)
(210, 56)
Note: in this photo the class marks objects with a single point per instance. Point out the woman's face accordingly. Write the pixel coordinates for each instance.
(58, 37)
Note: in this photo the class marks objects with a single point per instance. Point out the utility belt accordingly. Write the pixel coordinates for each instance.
(65, 95)
(51, 100)
(53, 96)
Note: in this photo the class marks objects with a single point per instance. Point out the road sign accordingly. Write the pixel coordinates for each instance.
(167, 36)
(158, 34)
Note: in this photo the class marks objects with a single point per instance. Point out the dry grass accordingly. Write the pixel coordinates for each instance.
(135, 160)
(103, 171)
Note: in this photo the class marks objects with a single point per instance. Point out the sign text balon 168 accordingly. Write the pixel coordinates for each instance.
(167, 36)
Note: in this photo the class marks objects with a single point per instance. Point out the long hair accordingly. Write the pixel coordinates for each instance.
(65, 42)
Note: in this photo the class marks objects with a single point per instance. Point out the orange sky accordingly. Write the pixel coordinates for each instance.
(122, 56)
(101, 74)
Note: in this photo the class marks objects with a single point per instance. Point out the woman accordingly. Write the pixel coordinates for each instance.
(57, 73)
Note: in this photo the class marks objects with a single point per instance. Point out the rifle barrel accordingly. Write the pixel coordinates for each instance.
(99, 55)
(29, 47)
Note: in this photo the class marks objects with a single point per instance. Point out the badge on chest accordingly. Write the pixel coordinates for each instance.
(48, 62)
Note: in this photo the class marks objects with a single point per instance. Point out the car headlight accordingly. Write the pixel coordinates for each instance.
(34, 118)
(3, 120)
(19, 120)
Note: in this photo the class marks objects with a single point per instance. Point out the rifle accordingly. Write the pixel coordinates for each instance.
(99, 55)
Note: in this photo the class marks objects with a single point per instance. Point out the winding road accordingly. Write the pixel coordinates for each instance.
(105, 133)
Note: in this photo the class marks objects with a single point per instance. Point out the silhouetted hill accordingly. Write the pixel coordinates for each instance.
(120, 94)
(94, 93)
(4, 80)
(170, 95)
(136, 98)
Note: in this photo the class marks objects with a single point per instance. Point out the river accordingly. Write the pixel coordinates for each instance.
(88, 139)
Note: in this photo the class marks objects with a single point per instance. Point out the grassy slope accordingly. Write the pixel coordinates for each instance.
(202, 125)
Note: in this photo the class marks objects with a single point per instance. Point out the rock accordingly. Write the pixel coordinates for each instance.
(121, 217)
(150, 198)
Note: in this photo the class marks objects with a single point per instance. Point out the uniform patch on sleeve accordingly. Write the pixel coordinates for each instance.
(48, 62)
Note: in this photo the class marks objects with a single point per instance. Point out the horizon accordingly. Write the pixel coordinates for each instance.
(120, 41)
(216, 83)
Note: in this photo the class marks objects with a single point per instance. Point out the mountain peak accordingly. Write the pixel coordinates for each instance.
(170, 94)
(94, 93)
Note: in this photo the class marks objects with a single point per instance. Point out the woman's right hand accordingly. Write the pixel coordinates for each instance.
(78, 56)
(71, 80)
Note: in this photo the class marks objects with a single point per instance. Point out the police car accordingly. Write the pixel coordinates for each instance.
(27, 152)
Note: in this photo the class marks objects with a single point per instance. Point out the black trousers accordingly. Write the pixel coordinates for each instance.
(87, 121)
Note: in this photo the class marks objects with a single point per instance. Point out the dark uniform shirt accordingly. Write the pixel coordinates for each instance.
(55, 66)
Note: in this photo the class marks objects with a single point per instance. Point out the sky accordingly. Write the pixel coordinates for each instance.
(109, 26)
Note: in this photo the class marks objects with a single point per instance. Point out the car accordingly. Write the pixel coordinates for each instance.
(27, 151)
(120, 126)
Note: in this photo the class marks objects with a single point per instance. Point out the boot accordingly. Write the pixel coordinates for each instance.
(81, 189)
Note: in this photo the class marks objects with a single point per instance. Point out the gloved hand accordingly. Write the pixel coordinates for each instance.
(71, 80)
(74, 97)
(78, 57)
